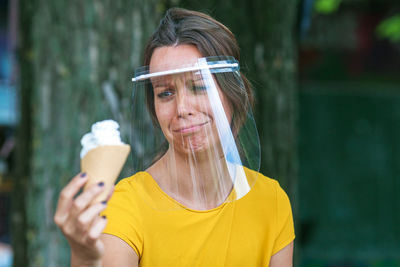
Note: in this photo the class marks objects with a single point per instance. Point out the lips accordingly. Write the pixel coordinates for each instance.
(190, 128)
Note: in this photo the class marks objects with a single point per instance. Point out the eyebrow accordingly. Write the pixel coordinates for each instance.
(165, 83)
(160, 84)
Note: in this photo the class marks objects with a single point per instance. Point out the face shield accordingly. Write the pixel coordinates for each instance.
(194, 134)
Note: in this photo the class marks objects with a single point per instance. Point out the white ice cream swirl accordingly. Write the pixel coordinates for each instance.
(103, 133)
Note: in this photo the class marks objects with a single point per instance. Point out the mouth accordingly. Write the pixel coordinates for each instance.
(190, 128)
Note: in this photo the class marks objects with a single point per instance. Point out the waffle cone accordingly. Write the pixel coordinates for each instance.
(104, 164)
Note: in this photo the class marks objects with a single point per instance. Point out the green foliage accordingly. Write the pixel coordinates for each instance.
(390, 28)
(326, 6)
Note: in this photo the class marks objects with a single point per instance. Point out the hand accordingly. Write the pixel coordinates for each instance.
(80, 222)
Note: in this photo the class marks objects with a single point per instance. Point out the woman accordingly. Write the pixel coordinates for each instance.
(195, 204)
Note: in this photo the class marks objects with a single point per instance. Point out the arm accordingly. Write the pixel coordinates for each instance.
(283, 252)
(283, 258)
(81, 224)
(118, 253)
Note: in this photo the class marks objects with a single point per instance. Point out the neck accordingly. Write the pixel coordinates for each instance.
(199, 181)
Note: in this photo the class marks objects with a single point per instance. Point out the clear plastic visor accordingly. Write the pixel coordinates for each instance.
(193, 134)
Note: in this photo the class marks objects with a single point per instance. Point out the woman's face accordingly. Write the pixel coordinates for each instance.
(182, 104)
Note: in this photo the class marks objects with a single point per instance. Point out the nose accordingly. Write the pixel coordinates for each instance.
(183, 105)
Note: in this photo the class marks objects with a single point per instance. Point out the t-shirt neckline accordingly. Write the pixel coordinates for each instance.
(174, 201)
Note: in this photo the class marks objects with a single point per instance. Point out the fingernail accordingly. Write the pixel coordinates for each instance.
(104, 202)
(104, 217)
(83, 174)
(100, 184)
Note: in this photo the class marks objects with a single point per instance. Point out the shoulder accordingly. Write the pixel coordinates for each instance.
(124, 217)
(126, 201)
(262, 182)
(131, 183)
(127, 190)
(266, 188)
(136, 190)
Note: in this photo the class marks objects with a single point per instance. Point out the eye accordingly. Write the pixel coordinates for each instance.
(165, 94)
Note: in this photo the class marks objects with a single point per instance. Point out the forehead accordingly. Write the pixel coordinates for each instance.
(189, 76)
(173, 57)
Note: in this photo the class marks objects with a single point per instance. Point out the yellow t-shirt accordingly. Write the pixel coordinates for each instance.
(246, 232)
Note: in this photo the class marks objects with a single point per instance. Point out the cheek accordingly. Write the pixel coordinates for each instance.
(164, 114)
(202, 105)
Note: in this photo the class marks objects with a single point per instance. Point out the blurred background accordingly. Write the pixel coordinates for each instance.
(326, 74)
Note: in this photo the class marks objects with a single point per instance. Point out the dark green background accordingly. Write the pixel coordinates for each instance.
(349, 158)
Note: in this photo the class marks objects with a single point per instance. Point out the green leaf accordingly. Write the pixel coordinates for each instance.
(326, 6)
(389, 28)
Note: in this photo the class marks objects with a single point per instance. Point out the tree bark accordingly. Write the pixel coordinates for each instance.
(24, 134)
(275, 57)
(82, 56)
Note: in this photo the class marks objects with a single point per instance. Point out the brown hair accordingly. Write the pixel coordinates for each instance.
(212, 38)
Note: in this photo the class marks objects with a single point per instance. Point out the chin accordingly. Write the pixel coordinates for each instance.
(192, 147)
(197, 147)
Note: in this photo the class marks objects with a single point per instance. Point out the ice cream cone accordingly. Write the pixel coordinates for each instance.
(104, 164)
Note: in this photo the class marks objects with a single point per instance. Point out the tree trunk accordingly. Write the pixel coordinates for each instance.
(77, 60)
(24, 134)
(275, 55)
